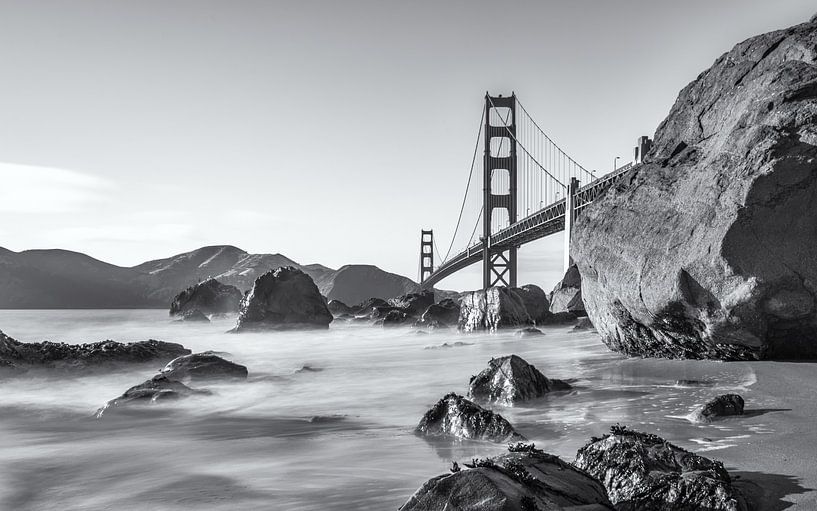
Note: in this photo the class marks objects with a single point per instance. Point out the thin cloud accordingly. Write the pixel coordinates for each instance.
(31, 189)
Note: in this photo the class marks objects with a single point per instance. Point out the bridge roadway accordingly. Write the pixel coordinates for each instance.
(548, 220)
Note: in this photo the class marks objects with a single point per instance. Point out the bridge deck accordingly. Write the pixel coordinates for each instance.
(548, 220)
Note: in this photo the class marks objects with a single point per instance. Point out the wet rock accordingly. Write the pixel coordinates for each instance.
(454, 416)
(529, 332)
(202, 367)
(707, 250)
(525, 479)
(583, 324)
(208, 297)
(194, 316)
(338, 308)
(367, 307)
(509, 380)
(535, 301)
(443, 314)
(567, 295)
(561, 318)
(722, 406)
(644, 471)
(494, 308)
(414, 304)
(446, 345)
(396, 317)
(160, 388)
(281, 299)
(22, 356)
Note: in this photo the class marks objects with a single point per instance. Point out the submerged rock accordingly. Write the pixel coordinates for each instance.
(535, 301)
(644, 471)
(707, 250)
(208, 297)
(443, 314)
(525, 479)
(283, 298)
(529, 332)
(455, 416)
(494, 308)
(21, 356)
(160, 388)
(509, 380)
(202, 367)
(721, 406)
(567, 295)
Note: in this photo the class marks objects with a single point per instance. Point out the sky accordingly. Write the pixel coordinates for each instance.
(329, 131)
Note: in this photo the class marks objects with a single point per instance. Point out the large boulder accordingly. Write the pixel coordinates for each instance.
(443, 314)
(21, 356)
(456, 417)
(644, 471)
(203, 367)
(525, 479)
(509, 380)
(491, 309)
(208, 297)
(282, 299)
(535, 301)
(708, 249)
(414, 304)
(567, 295)
(160, 388)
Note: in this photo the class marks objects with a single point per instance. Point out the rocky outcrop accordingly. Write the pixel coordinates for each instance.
(567, 295)
(643, 471)
(722, 406)
(22, 356)
(535, 301)
(395, 317)
(338, 308)
(414, 304)
(525, 479)
(509, 380)
(205, 366)
(707, 250)
(282, 299)
(160, 388)
(193, 316)
(456, 417)
(208, 297)
(494, 308)
(369, 306)
(439, 315)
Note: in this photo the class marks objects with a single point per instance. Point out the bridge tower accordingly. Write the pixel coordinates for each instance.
(499, 267)
(426, 254)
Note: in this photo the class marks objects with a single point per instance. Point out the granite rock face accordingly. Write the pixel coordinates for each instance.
(208, 297)
(722, 406)
(281, 299)
(536, 302)
(456, 417)
(644, 471)
(708, 249)
(202, 367)
(509, 380)
(525, 479)
(55, 355)
(567, 295)
(494, 308)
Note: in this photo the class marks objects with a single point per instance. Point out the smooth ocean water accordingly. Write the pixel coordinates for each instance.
(337, 437)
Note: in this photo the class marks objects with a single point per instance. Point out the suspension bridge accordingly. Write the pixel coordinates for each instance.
(531, 189)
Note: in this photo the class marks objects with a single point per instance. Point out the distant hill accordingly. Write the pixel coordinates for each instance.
(59, 279)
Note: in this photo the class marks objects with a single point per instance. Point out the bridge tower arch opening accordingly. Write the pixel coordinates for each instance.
(426, 254)
(499, 267)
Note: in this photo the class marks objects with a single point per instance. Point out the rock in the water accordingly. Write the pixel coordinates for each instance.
(525, 479)
(395, 317)
(707, 250)
(195, 316)
(208, 297)
(455, 416)
(443, 314)
(583, 324)
(567, 295)
(338, 308)
(367, 307)
(644, 471)
(721, 406)
(535, 301)
(283, 298)
(414, 304)
(491, 309)
(202, 367)
(159, 388)
(529, 332)
(509, 380)
(54, 355)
